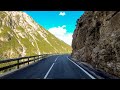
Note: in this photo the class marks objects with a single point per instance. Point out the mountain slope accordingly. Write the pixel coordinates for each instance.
(20, 36)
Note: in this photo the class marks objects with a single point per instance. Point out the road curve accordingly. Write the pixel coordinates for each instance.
(53, 67)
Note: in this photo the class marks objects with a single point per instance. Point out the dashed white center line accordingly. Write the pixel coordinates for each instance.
(82, 69)
(56, 59)
(50, 69)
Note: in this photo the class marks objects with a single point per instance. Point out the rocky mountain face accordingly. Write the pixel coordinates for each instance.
(96, 40)
(21, 36)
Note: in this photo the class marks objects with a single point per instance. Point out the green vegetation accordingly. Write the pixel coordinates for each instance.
(13, 45)
(19, 42)
(2, 15)
(7, 64)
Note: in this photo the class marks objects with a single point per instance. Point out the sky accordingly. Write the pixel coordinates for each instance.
(59, 23)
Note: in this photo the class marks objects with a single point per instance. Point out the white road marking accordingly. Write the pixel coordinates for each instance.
(83, 70)
(50, 69)
(56, 59)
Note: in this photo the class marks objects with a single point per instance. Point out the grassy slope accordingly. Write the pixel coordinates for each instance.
(13, 44)
(44, 47)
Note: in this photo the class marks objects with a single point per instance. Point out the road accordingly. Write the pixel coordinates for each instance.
(52, 67)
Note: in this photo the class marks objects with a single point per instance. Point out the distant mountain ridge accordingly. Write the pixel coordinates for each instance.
(21, 36)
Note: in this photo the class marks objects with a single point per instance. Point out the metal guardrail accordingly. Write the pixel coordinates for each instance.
(20, 61)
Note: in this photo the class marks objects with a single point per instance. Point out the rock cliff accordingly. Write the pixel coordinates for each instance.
(96, 40)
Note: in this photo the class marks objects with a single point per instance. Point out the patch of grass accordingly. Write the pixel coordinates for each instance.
(20, 28)
(7, 64)
(2, 15)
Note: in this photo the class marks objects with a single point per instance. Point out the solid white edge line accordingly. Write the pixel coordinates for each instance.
(50, 69)
(83, 70)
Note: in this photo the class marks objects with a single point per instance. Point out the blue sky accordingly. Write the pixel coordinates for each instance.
(60, 23)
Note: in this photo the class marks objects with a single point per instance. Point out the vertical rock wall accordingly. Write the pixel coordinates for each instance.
(96, 40)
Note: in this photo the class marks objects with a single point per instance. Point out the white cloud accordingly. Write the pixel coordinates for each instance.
(62, 13)
(61, 33)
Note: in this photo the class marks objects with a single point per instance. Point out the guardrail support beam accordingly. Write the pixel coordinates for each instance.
(34, 59)
(28, 61)
(18, 64)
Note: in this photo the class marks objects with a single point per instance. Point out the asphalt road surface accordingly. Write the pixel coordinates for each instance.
(53, 67)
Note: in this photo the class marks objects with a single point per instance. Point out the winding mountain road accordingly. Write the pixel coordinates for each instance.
(52, 67)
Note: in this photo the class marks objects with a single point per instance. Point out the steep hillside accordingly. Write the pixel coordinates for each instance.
(96, 40)
(20, 36)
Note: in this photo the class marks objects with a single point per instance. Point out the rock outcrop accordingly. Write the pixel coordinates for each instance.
(96, 40)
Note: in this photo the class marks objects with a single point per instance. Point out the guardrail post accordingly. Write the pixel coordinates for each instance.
(18, 64)
(38, 57)
(43, 56)
(34, 59)
(28, 60)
